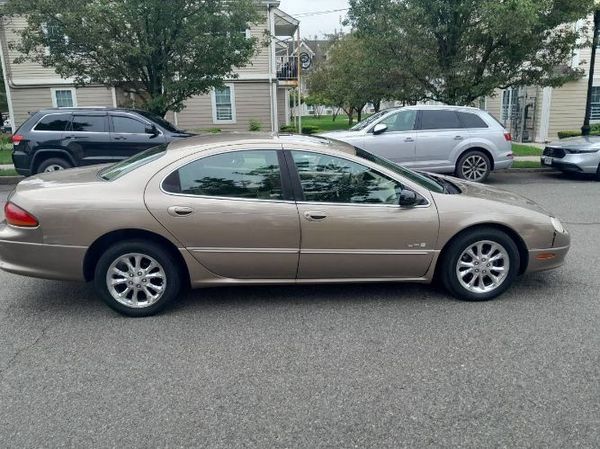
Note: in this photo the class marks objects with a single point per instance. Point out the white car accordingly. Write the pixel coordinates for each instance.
(465, 141)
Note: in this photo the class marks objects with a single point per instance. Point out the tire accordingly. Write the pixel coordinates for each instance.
(473, 165)
(53, 164)
(494, 242)
(163, 281)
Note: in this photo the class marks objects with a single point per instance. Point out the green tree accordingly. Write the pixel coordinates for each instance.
(164, 51)
(459, 50)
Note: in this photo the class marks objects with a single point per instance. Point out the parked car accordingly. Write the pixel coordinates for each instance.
(55, 139)
(465, 141)
(262, 209)
(576, 154)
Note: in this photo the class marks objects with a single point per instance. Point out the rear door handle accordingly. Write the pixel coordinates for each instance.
(459, 138)
(409, 139)
(315, 215)
(119, 138)
(180, 211)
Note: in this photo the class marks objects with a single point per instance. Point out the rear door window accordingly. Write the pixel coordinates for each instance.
(89, 123)
(439, 119)
(470, 120)
(127, 125)
(53, 122)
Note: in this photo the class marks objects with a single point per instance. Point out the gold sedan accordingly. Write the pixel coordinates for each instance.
(269, 209)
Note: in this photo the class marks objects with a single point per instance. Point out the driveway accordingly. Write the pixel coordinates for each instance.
(349, 366)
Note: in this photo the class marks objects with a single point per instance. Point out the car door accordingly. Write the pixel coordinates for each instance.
(352, 225)
(439, 134)
(131, 135)
(88, 139)
(232, 213)
(398, 142)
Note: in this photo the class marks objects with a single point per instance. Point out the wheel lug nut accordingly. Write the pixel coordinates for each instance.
(140, 273)
(138, 286)
(143, 280)
(130, 274)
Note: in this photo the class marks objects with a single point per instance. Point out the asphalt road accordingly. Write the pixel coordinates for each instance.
(377, 366)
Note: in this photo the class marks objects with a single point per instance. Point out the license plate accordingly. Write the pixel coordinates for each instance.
(548, 160)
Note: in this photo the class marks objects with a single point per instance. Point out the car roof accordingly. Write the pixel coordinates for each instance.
(210, 140)
(88, 109)
(436, 107)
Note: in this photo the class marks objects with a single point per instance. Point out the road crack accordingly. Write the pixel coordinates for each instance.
(22, 350)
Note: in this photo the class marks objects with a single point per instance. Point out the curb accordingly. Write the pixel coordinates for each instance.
(10, 180)
(530, 170)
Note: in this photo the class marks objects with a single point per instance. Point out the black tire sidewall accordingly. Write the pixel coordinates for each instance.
(170, 266)
(53, 161)
(461, 161)
(455, 250)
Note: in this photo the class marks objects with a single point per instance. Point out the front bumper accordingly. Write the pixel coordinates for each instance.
(575, 163)
(39, 260)
(549, 258)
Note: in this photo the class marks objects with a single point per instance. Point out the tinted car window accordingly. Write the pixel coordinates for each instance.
(122, 124)
(89, 123)
(439, 120)
(330, 179)
(238, 174)
(401, 121)
(469, 120)
(54, 122)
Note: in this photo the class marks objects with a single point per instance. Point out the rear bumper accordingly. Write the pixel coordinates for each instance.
(39, 260)
(22, 162)
(503, 164)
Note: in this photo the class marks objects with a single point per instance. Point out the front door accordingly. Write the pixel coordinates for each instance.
(398, 142)
(352, 225)
(232, 213)
(131, 135)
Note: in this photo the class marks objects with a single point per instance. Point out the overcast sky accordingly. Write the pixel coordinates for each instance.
(318, 24)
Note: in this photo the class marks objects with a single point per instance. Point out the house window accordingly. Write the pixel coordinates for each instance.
(64, 98)
(510, 105)
(223, 102)
(595, 103)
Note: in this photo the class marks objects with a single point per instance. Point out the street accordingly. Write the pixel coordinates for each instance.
(339, 366)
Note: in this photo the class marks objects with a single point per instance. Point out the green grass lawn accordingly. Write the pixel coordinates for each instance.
(10, 172)
(525, 150)
(326, 123)
(5, 157)
(527, 164)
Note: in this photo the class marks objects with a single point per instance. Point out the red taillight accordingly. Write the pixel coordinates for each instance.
(17, 138)
(18, 217)
(508, 137)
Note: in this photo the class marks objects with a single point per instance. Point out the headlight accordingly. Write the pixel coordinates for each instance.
(558, 227)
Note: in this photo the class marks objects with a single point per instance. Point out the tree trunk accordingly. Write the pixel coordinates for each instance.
(350, 114)
(377, 105)
(359, 114)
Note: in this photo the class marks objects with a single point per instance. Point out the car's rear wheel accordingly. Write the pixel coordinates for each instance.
(480, 265)
(474, 165)
(137, 278)
(53, 164)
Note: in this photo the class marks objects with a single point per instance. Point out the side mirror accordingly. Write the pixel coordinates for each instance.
(380, 128)
(408, 198)
(152, 130)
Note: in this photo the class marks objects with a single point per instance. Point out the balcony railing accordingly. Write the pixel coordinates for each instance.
(287, 68)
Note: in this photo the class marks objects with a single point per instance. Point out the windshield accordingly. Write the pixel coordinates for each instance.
(422, 180)
(366, 122)
(128, 165)
(161, 121)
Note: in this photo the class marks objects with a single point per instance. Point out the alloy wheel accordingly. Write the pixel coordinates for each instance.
(483, 266)
(136, 280)
(474, 167)
(53, 167)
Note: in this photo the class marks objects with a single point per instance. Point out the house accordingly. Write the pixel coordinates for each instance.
(537, 114)
(255, 94)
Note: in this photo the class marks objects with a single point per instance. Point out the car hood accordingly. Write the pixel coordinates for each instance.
(340, 135)
(482, 191)
(578, 143)
(62, 178)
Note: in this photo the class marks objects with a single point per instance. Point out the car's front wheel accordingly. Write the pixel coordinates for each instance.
(474, 165)
(137, 278)
(480, 265)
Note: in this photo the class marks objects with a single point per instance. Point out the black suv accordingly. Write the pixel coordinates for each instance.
(55, 139)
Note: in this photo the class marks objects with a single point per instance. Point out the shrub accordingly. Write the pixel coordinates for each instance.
(288, 129)
(213, 130)
(254, 125)
(566, 134)
(310, 129)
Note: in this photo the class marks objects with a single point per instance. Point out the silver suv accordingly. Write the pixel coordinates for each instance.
(465, 141)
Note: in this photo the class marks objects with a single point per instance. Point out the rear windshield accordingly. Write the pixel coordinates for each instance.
(128, 165)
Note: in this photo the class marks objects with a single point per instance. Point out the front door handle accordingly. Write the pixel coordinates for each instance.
(459, 138)
(180, 211)
(315, 215)
(409, 139)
